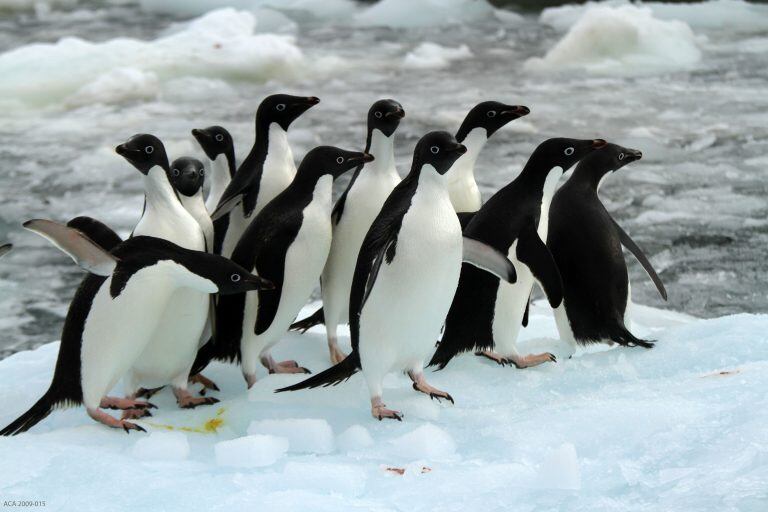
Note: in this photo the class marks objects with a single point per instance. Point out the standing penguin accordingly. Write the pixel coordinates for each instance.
(405, 277)
(288, 241)
(586, 244)
(478, 126)
(220, 149)
(187, 178)
(486, 314)
(169, 357)
(264, 173)
(352, 216)
(115, 313)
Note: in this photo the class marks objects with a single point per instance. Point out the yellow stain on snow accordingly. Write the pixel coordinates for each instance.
(210, 426)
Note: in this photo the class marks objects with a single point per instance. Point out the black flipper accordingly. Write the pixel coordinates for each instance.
(630, 244)
(316, 318)
(536, 256)
(97, 231)
(465, 218)
(485, 257)
(330, 377)
(527, 311)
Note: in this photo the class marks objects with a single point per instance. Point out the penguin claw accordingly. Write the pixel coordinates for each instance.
(552, 357)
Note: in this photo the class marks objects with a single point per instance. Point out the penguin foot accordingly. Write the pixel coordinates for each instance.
(147, 393)
(250, 380)
(518, 362)
(380, 411)
(186, 401)
(205, 382)
(420, 384)
(288, 367)
(112, 422)
(337, 355)
(135, 414)
(110, 402)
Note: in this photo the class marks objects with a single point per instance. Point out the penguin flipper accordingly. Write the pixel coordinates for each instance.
(534, 253)
(485, 257)
(630, 244)
(465, 218)
(527, 311)
(97, 231)
(5, 248)
(83, 251)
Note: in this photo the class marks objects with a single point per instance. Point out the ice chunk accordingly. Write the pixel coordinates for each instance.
(355, 437)
(425, 442)
(560, 469)
(624, 40)
(433, 56)
(251, 451)
(421, 13)
(162, 446)
(304, 435)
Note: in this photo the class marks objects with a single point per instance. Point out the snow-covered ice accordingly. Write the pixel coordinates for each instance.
(433, 56)
(679, 427)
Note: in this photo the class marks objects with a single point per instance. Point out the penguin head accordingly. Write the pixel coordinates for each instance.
(187, 175)
(230, 278)
(214, 140)
(592, 168)
(144, 151)
(385, 116)
(438, 149)
(324, 160)
(283, 109)
(563, 152)
(490, 115)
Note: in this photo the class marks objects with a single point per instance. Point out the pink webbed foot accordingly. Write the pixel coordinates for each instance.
(186, 401)
(420, 384)
(337, 355)
(110, 402)
(289, 366)
(205, 382)
(147, 392)
(380, 411)
(135, 414)
(105, 419)
(518, 362)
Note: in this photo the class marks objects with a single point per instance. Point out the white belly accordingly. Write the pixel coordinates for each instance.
(510, 305)
(363, 204)
(117, 330)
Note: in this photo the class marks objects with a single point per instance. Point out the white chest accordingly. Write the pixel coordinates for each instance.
(219, 180)
(550, 185)
(279, 167)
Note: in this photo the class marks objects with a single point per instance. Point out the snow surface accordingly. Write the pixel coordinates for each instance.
(679, 427)
(433, 56)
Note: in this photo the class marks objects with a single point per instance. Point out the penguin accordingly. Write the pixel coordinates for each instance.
(187, 179)
(586, 243)
(98, 232)
(481, 122)
(114, 314)
(219, 147)
(405, 277)
(264, 173)
(5, 249)
(486, 314)
(288, 241)
(168, 358)
(352, 215)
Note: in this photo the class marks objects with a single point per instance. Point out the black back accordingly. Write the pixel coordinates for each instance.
(439, 149)
(511, 214)
(385, 116)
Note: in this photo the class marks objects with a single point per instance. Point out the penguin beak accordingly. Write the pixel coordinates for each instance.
(121, 150)
(632, 155)
(254, 282)
(397, 114)
(364, 157)
(313, 100)
(459, 148)
(516, 111)
(598, 144)
(201, 135)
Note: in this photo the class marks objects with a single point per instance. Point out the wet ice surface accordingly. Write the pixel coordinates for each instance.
(679, 427)
(695, 203)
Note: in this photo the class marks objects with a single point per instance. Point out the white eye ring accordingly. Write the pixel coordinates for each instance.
(235, 278)
(219, 137)
(621, 156)
(378, 114)
(340, 160)
(149, 150)
(202, 172)
(176, 172)
(280, 107)
(435, 150)
(491, 113)
(568, 151)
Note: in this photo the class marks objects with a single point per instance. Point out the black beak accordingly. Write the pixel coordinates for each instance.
(200, 135)
(633, 154)
(516, 111)
(121, 150)
(365, 158)
(259, 283)
(312, 100)
(397, 114)
(598, 144)
(459, 148)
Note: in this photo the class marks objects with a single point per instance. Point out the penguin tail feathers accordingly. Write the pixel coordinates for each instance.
(619, 334)
(330, 377)
(316, 318)
(441, 358)
(32, 417)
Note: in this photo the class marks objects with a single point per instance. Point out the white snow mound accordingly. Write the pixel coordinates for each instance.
(433, 56)
(303, 435)
(162, 446)
(251, 451)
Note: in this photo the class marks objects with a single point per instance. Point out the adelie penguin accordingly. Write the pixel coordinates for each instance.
(478, 126)
(586, 243)
(220, 149)
(187, 179)
(114, 315)
(267, 170)
(352, 216)
(169, 357)
(486, 314)
(405, 277)
(288, 241)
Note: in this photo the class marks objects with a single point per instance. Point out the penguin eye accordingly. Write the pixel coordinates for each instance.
(235, 278)
(568, 151)
(176, 172)
(340, 160)
(435, 150)
(491, 113)
(219, 137)
(280, 107)
(378, 114)
(202, 172)
(149, 150)
(621, 156)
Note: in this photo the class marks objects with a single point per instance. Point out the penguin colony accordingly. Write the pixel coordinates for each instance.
(419, 267)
